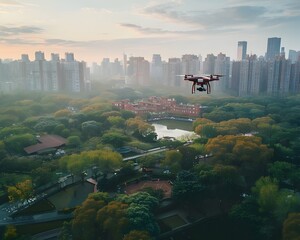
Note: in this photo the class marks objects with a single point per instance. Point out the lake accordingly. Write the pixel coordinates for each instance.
(172, 128)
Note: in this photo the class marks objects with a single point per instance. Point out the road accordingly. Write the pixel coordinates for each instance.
(151, 151)
(44, 217)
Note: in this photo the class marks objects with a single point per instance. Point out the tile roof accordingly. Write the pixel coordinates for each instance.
(45, 142)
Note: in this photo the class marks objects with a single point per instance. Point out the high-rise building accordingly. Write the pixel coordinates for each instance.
(190, 64)
(172, 72)
(39, 56)
(294, 56)
(138, 71)
(279, 76)
(295, 78)
(55, 57)
(282, 52)
(69, 57)
(222, 66)
(273, 48)
(156, 69)
(209, 64)
(24, 58)
(234, 83)
(105, 68)
(241, 50)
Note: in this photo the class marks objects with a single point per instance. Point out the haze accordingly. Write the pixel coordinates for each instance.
(94, 29)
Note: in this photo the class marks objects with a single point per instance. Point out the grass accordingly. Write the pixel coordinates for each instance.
(37, 208)
(71, 197)
(171, 222)
(32, 229)
(173, 124)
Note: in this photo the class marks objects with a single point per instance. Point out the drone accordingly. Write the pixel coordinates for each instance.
(202, 81)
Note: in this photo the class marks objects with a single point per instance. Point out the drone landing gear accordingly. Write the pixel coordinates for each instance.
(201, 89)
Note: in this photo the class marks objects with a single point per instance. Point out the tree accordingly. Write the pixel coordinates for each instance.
(42, 175)
(157, 193)
(282, 171)
(172, 160)
(112, 220)
(140, 198)
(248, 154)
(66, 231)
(62, 113)
(141, 218)
(201, 121)
(84, 222)
(187, 187)
(21, 191)
(91, 128)
(13, 130)
(291, 227)
(116, 121)
(207, 131)
(105, 160)
(137, 235)
(139, 212)
(188, 157)
(222, 181)
(127, 114)
(274, 201)
(140, 127)
(10, 232)
(2, 150)
(16, 144)
(73, 141)
(266, 191)
(116, 139)
(248, 220)
(46, 125)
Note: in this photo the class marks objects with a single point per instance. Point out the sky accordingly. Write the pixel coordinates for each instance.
(97, 29)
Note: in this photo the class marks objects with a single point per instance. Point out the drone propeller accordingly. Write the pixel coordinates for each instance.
(218, 75)
(215, 75)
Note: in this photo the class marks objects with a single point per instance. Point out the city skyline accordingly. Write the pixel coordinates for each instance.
(93, 30)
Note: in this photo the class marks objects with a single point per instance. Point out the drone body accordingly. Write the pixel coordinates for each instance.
(202, 81)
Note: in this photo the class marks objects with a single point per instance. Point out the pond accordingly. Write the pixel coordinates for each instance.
(176, 129)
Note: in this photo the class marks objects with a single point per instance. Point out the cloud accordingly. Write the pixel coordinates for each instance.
(9, 31)
(19, 41)
(151, 30)
(62, 42)
(96, 10)
(241, 17)
(209, 18)
(9, 3)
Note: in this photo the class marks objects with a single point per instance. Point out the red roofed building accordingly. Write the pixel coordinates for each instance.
(159, 104)
(46, 142)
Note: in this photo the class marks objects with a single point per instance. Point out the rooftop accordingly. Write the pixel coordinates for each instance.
(45, 142)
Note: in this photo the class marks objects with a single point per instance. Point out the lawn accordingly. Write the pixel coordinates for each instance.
(32, 229)
(171, 222)
(41, 206)
(71, 196)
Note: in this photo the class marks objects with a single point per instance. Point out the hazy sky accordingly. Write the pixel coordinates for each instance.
(94, 29)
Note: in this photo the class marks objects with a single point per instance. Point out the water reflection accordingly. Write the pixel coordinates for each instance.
(163, 131)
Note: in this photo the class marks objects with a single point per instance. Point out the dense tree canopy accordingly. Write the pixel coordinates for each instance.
(105, 160)
(22, 190)
(246, 153)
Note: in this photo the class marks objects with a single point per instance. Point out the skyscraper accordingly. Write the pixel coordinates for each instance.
(273, 48)
(242, 50)
(39, 56)
(138, 71)
(156, 69)
(69, 57)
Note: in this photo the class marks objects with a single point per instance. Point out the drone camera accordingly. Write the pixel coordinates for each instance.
(201, 89)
